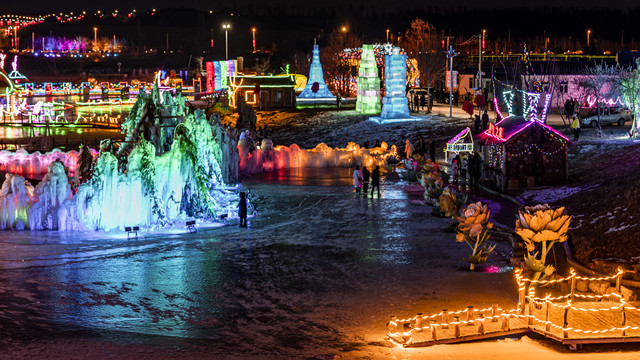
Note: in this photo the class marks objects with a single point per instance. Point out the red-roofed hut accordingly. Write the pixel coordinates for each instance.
(523, 153)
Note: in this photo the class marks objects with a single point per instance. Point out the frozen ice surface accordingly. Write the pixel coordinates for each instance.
(319, 270)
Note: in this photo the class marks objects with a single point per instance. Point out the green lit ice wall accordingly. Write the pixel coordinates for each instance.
(368, 96)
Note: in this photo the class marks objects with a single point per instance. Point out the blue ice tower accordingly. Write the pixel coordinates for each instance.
(395, 104)
(316, 75)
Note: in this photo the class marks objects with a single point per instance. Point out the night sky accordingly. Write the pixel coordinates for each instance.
(41, 6)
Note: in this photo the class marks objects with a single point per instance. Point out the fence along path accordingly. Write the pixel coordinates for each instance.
(571, 319)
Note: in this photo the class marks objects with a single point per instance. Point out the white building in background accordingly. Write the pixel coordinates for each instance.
(567, 86)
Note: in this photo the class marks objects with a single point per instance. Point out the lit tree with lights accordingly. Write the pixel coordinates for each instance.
(629, 84)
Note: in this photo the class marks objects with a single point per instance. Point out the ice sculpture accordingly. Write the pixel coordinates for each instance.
(316, 75)
(268, 158)
(368, 83)
(35, 165)
(141, 186)
(395, 104)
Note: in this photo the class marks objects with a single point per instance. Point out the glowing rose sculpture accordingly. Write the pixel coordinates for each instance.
(473, 228)
(541, 227)
(448, 202)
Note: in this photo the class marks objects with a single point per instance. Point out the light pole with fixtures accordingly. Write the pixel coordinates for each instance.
(226, 28)
(253, 31)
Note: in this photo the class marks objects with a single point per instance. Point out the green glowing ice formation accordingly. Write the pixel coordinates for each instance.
(368, 96)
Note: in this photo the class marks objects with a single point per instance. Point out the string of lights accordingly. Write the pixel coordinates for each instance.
(531, 320)
(536, 147)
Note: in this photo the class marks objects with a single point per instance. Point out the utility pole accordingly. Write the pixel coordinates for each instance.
(480, 43)
(480, 48)
(450, 55)
(544, 38)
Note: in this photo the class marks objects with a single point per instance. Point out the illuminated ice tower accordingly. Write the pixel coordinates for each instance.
(395, 105)
(316, 75)
(368, 100)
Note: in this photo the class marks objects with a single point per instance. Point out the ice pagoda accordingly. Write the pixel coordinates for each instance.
(316, 76)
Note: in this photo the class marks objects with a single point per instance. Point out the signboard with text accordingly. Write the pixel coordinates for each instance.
(451, 75)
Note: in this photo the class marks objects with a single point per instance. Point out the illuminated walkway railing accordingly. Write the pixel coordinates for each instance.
(557, 317)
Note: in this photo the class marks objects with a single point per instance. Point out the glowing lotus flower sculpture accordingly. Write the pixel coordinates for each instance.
(473, 228)
(541, 227)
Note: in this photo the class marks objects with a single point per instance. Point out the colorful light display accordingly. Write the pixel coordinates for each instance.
(316, 76)
(351, 57)
(218, 74)
(368, 96)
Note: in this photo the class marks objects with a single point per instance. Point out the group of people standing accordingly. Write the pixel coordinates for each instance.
(361, 180)
(419, 101)
(481, 124)
(409, 149)
(472, 165)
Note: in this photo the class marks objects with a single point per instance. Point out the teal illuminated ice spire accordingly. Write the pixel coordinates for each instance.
(368, 100)
(395, 103)
(316, 76)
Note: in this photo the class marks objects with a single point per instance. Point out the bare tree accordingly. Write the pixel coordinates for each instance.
(301, 63)
(422, 42)
(262, 65)
(599, 81)
(339, 70)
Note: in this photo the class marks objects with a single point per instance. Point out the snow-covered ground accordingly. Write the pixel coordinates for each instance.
(338, 128)
(551, 194)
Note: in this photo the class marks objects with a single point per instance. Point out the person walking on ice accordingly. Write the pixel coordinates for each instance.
(242, 210)
(357, 179)
(375, 180)
(365, 180)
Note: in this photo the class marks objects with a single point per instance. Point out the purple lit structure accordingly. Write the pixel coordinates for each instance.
(523, 153)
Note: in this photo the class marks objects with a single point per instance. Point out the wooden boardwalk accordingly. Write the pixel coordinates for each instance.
(572, 319)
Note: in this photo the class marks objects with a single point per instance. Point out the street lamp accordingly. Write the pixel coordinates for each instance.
(344, 29)
(387, 35)
(95, 37)
(226, 28)
(253, 31)
(588, 35)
